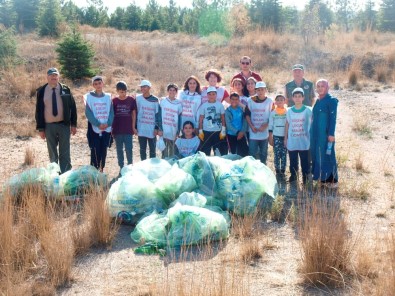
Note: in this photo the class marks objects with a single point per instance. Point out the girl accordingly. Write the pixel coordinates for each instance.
(322, 141)
(249, 90)
(214, 78)
(238, 87)
(190, 99)
(189, 143)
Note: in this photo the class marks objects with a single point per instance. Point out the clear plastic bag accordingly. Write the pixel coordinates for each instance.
(160, 144)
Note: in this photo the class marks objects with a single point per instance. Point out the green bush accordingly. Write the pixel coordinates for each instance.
(7, 48)
(75, 55)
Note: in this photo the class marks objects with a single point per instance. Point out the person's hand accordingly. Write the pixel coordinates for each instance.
(134, 131)
(331, 139)
(201, 135)
(73, 130)
(103, 126)
(222, 134)
(160, 133)
(254, 129)
(271, 140)
(263, 127)
(240, 135)
(42, 134)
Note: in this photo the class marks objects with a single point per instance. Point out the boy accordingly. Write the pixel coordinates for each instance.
(149, 120)
(212, 124)
(276, 136)
(236, 126)
(171, 119)
(124, 123)
(257, 115)
(100, 114)
(297, 135)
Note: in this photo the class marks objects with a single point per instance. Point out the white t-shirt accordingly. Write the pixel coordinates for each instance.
(190, 105)
(260, 113)
(212, 116)
(220, 94)
(187, 147)
(146, 111)
(100, 107)
(170, 115)
(299, 128)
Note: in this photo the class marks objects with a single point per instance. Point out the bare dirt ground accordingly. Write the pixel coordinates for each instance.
(119, 271)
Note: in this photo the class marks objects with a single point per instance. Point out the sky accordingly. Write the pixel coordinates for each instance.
(112, 4)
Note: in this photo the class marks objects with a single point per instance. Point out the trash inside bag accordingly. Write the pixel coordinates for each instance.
(78, 181)
(152, 168)
(191, 199)
(133, 193)
(151, 229)
(173, 183)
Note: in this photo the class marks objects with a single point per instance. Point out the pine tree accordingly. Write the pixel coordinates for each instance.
(387, 15)
(7, 14)
(75, 56)
(49, 18)
(7, 47)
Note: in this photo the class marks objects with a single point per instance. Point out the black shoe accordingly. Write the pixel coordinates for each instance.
(292, 178)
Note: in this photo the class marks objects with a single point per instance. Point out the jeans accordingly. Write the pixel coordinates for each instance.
(58, 134)
(262, 146)
(143, 147)
(100, 143)
(122, 140)
(294, 162)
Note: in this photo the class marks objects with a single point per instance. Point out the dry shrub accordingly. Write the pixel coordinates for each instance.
(355, 188)
(30, 155)
(359, 164)
(386, 282)
(326, 249)
(277, 210)
(381, 73)
(246, 226)
(250, 251)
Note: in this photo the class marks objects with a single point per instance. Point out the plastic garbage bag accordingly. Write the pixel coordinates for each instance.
(173, 183)
(152, 168)
(199, 167)
(191, 199)
(33, 177)
(133, 193)
(160, 144)
(151, 229)
(191, 225)
(242, 183)
(77, 181)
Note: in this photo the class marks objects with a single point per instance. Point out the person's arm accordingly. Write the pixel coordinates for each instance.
(332, 119)
(201, 133)
(158, 121)
(134, 122)
(312, 96)
(248, 118)
(271, 120)
(286, 133)
(90, 116)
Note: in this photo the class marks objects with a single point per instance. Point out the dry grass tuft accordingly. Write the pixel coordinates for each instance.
(246, 226)
(359, 164)
(361, 125)
(277, 210)
(250, 251)
(386, 278)
(326, 249)
(30, 155)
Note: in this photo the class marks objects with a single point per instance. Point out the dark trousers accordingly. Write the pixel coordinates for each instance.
(143, 147)
(238, 147)
(99, 145)
(212, 141)
(280, 154)
(58, 135)
(294, 162)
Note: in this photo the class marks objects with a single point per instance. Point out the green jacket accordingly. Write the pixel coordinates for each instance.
(69, 107)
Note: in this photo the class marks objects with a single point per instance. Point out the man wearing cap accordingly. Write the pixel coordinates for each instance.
(245, 66)
(299, 81)
(56, 118)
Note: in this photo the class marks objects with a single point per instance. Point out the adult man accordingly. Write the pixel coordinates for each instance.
(245, 66)
(299, 81)
(56, 117)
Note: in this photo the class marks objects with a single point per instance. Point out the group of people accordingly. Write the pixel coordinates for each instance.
(200, 118)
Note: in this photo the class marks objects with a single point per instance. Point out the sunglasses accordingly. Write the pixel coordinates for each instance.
(245, 63)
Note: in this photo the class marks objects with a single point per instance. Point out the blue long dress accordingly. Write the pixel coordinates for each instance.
(324, 167)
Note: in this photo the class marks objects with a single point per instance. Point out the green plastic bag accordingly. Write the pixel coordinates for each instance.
(151, 229)
(133, 193)
(173, 183)
(191, 199)
(152, 168)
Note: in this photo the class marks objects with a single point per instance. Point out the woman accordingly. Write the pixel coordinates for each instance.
(322, 140)
(214, 78)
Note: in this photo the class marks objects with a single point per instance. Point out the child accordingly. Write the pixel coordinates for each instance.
(212, 124)
(276, 136)
(149, 120)
(100, 114)
(189, 143)
(257, 115)
(191, 100)
(236, 126)
(297, 135)
(238, 87)
(214, 78)
(171, 119)
(124, 123)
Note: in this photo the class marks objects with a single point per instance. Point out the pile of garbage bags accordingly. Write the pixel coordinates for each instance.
(70, 184)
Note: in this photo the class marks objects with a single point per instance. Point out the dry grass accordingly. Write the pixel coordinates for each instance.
(386, 278)
(359, 164)
(326, 249)
(361, 125)
(355, 188)
(277, 210)
(32, 229)
(30, 155)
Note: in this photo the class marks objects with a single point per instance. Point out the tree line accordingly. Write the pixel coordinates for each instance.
(226, 17)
